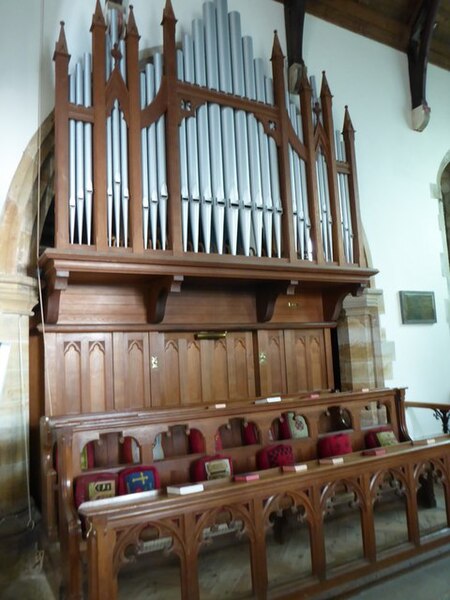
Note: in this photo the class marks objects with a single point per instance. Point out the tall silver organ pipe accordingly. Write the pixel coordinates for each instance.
(109, 171)
(79, 169)
(144, 164)
(72, 164)
(228, 126)
(215, 126)
(253, 146)
(161, 156)
(274, 174)
(198, 35)
(302, 224)
(125, 192)
(192, 148)
(242, 154)
(184, 183)
(326, 221)
(88, 185)
(266, 187)
(344, 202)
(152, 159)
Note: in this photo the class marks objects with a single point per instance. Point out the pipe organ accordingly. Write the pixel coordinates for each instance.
(194, 193)
(228, 190)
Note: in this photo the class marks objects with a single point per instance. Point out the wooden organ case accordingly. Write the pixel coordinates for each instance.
(207, 225)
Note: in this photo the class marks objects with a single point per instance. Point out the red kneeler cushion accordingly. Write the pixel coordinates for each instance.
(94, 486)
(334, 445)
(211, 467)
(277, 455)
(196, 442)
(372, 438)
(141, 478)
(131, 452)
(250, 434)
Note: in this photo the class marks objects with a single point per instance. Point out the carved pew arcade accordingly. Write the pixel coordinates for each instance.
(207, 230)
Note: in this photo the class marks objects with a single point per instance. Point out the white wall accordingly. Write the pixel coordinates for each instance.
(396, 166)
(19, 69)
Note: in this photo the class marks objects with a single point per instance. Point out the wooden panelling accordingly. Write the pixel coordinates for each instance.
(299, 308)
(210, 304)
(272, 364)
(306, 360)
(83, 377)
(186, 370)
(131, 370)
(105, 304)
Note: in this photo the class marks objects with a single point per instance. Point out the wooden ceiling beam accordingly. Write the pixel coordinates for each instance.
(418, 51)
(294, 18)
(360, 19)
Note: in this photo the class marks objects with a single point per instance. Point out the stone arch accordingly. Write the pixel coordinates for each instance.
(18, 223)
(18, 296)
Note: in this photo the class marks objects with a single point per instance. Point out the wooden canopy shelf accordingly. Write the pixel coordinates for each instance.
(163, 274)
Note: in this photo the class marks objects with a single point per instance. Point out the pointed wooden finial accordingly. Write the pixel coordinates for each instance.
(277, 53)
(168, 14)
(325, 89)
(98, 17)
(304, 82)
(131, 24)
(61, 44)
(348, 125)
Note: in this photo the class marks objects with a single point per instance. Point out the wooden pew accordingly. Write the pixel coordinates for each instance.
(184, 518)
(323, 413)
(229, 417)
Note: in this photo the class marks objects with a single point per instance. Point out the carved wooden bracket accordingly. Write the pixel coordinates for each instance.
(156, 295)
(266, 295)
(418, 50)
(56, 282)
(334, 297)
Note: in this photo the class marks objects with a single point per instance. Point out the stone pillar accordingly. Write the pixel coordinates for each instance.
(17, 298)
(359, 339)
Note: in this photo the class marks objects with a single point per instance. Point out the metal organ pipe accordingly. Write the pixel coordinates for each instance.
(144, 165)
(109, 169)
(253, 146)
(215, 128)
(79, 99)
(184, 183)
(125, 192)
(88, 186)
(115, 141)
(192, 149)
(326, 221)
(161, 156)
(303, 223)
(240, 123)
(266, 188)
(72, 164)
(203, 135)
(274, 174)
(228, 128)
(297, 200)
(344, 202)
(152, 160)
